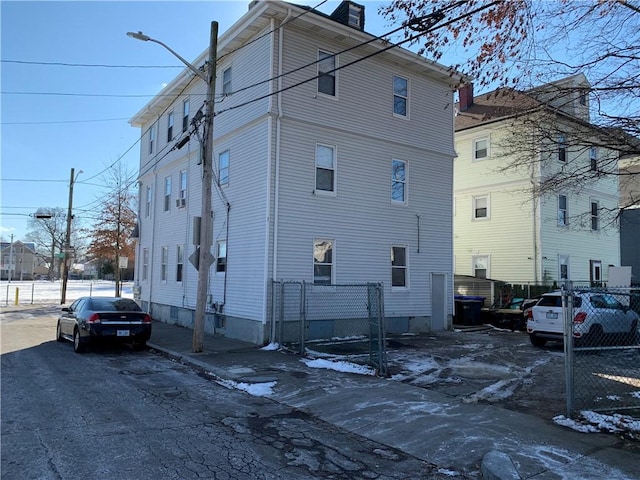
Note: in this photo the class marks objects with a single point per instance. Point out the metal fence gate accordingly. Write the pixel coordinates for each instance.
(602, 349)
(349, 315)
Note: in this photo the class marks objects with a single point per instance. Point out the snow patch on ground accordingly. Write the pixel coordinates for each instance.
(255, 389)
(339, 366)
(271, 347)
(591, 422)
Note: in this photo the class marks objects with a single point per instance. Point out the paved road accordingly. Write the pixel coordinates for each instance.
(121, 414)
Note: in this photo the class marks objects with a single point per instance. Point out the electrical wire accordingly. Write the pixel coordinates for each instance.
(62, 64)
(66, 121)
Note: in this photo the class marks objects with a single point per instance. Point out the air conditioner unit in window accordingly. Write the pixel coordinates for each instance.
(181, 202)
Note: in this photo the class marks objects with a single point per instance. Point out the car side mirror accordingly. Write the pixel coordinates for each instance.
(66, 309)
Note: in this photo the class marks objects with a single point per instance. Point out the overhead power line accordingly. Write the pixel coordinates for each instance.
(66, 121)
(88, 65)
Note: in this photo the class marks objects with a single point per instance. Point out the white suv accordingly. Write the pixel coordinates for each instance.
(599, 319)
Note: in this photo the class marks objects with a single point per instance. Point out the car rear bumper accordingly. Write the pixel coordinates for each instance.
(120, 332)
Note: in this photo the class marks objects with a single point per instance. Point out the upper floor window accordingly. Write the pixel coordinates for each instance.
(152, 138)
(593, 158)
(354, 15)
(167, 193)
(185, 115)
(481, 148)
(595, 220)
(481, 207)
(147, 209)
(563, 220)
(183, 184)
(582, 99)
(399, 266)
(221, 260)
(325, 168)
(326, 73)
(398, 181)
(179, 262)
(226, 81)
(562, 148)
(223, 168)
(323, 262)
(400, 95)
(169, 126)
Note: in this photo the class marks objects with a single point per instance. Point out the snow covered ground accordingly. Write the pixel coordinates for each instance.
(46, 292)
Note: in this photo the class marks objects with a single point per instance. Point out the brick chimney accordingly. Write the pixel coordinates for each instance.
(465, 95)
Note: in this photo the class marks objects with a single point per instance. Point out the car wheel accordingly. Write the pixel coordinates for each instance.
(536, 341)
(595, 336)
(633, 333)
(59, 336)
(78, 345)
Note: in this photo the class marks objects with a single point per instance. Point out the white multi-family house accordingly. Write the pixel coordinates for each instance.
(333, 160)
(505, 226)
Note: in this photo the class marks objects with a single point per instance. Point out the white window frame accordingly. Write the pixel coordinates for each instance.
(152, 138)
(145, 263)
(149, 199)
(404, 268)
(487, 149)
(323, 58)
(223, 169)
(167, 193)
(474, 207)
(185, 115)
(321, 262)
(179, 263)
(355, 12)
(397, 95)
(226, 81)
(474, 262)
(595, 271)
(399, 181)
(333, 169)
(595, 215)
(164, 263)
(563, 213)
(170, 123)
(183, 185)
(562, 148)
(221, 256)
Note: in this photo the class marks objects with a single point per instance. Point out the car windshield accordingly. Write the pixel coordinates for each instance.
(605, 301)
(114, 305)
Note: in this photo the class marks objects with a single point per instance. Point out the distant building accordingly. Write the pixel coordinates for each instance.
(501, 230)
(20, 261)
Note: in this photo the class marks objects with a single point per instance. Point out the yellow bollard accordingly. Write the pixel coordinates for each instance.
(17, 292)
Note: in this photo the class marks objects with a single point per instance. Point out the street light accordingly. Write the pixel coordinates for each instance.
(66, 248)
(206, 231)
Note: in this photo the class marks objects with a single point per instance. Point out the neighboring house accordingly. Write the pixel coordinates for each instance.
(321, 175)
(20, 261)
(630, 216)
(501, 230)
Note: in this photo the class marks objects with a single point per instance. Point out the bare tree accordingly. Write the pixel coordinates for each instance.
(110, 236)
(47, 228)
(516, 46)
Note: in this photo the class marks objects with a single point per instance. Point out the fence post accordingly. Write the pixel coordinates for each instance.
(567, 314)
(303, 315)
(281, 316)
(33, 292)
(15, 302)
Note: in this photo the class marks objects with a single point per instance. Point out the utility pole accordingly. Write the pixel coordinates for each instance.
(66, 248)
(10, 259)
(206, 222)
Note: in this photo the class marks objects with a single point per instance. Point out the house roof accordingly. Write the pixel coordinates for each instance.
(259, 18)
(495, 106)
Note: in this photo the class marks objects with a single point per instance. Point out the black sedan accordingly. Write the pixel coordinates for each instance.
(89, 319)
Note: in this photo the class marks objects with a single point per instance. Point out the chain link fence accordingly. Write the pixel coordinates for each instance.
(602, 348)
(344, 319)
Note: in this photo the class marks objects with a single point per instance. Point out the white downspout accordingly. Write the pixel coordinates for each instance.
(534, 203)
(277, 162)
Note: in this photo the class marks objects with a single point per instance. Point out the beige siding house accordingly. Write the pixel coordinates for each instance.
(507, 143)
(328, 169)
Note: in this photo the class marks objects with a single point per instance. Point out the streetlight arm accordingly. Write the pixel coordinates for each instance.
(146, 38)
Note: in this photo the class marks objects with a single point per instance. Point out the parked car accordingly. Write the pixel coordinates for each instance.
(91, 319)
(599, 319)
